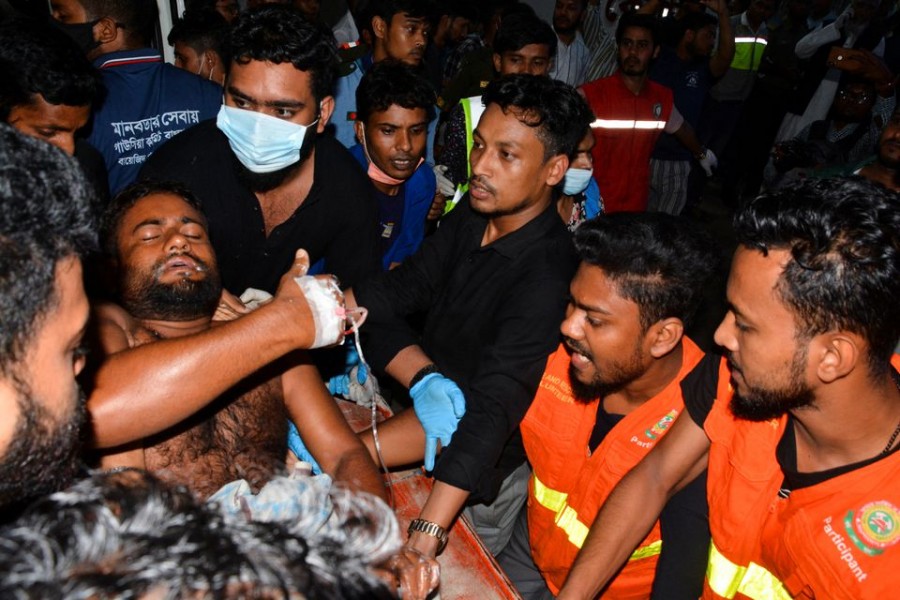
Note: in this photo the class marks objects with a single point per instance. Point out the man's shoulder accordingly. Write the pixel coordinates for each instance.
(115, 327)
(340, 181)
(340, 168)
(197, 147)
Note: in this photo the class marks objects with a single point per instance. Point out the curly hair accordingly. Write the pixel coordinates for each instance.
(392, 82)
(124, 534)
(843, 236)
(660, 262)
(38, 59)
(279, 34)
(558, 113)
(45, 217)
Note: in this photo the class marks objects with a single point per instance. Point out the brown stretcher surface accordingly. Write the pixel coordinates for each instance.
(468, 570)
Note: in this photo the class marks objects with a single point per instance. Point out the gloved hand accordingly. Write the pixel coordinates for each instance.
(296, 445)
(444, 185)
(439, 405)
(254, 298)
(708, 161)
(339, 385)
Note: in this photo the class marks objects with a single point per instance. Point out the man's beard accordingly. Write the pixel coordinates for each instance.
(182, 300)
(44, 455)
(266, 182)
(762, 404)
(616, 377)
(564, 28)
(633, 71)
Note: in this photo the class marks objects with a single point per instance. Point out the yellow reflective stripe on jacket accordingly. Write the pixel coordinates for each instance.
(748, 53)
(472, 109)
(727, 579)
(567, 519)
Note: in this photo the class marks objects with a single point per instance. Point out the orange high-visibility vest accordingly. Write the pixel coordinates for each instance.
(837, 539)
(570, 483)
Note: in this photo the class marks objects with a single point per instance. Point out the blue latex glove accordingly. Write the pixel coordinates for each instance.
(439, 404)
(296, 445)
(339, 385)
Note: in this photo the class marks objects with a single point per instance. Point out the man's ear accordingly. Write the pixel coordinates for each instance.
(556, 169)
(656, 51)
(664, 336)
(326, 109)
(497, 62)
(211, 59)
(837, 354)
(379, 27)
(106, 30)
(360, 128)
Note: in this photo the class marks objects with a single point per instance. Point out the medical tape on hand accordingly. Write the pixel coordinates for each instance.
(326, 303)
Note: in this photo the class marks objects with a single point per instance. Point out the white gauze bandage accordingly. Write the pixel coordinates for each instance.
(326, 301)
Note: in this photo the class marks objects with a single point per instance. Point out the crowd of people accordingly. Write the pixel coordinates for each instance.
(494, 222)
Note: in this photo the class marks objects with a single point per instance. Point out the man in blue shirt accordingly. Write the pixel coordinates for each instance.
(148, 101)
(394, 107)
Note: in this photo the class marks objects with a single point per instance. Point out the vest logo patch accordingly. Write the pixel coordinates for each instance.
(662, 425)
(874, 527)
(657, 110)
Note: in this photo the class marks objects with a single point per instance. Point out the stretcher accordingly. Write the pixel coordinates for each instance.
(468, 570)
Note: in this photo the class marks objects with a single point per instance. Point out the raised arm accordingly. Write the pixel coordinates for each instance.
(721, 60)
(140, 391)
(633, 507)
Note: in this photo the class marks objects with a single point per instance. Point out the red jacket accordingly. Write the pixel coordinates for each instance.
(626, 128)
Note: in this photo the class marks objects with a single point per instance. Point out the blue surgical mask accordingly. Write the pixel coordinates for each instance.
(262, 143)
(576, 181)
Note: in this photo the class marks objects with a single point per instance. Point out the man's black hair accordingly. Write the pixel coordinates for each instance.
(386, 9)
(38, 59)
(648, 22)
(392, 82)
(127, 534)
(695, 21)
(203, 30)
(123, 202)
(138, 18)
(843, 236)
(558, 113)
(466, 9)
(45, 217)
(522, 29)
(280, 34)
(660, 262)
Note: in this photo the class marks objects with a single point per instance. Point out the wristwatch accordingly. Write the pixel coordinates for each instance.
(429, 528)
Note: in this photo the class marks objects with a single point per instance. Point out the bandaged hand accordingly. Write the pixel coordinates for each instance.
(439, 405)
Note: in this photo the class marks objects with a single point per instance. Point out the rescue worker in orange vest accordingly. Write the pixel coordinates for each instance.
(607, 396)
(799, 427)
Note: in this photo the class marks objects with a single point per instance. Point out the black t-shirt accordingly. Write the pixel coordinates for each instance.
(492, 319)
(336, 222)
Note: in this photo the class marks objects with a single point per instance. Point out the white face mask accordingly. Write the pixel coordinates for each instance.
(576, 181)
(262, 143)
